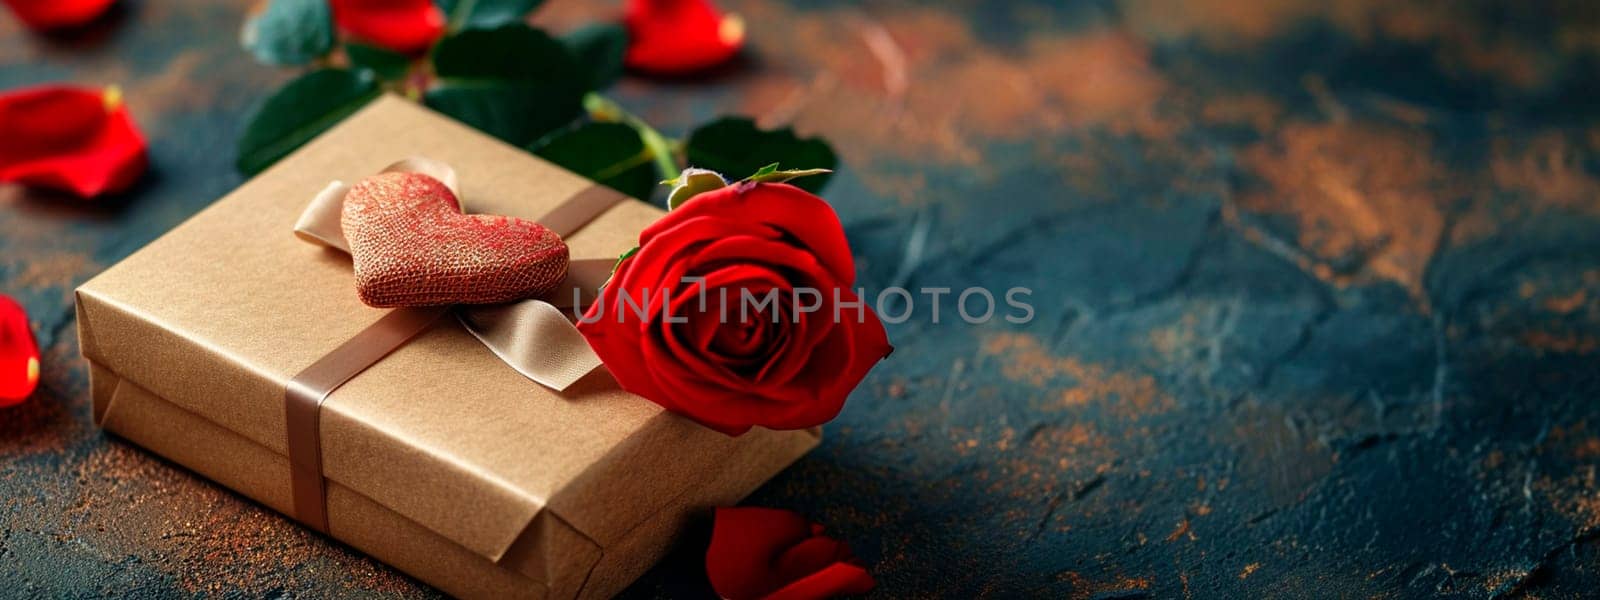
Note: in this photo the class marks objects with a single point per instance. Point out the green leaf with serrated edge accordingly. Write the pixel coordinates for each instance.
(600, 48)
(609, 153)
(481, 14)
(513, 82)
(297, 112)
(289, 33)
(693, 181)
(736, 145)
(388, 65)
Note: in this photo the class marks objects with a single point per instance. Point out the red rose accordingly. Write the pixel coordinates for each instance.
(19, 355)
(70, 139)
(674, 37)
(776, 555)
(44, 15)
(735, 360)
(404, 26)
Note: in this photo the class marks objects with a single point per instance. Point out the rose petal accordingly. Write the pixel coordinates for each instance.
(70, 139)
(618, 346)
(698, 398)
(708, 383)
(19, 354)
(851, 350)
(745, 545)
(708, 374)
(754, 553)
(612, 325)
(730, 410)
(796, 212)
(837, 579)
(803, 271)
(404, 26)
(811, 555)
(867, 341)
(46, 15)
(721, 322)
(674, 37)
(703, 242)
(737, 327)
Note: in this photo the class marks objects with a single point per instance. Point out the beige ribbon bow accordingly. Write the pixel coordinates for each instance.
(532, 336)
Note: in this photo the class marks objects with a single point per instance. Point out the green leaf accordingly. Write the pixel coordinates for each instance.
(771, 174)
(289, 32)
(484, 14)
(599, 47)
(736, 146)
(388, 65)
(515, 51)
(603, 109)
(307, 106)
(513, 82)
(512, 111)
(618, 265)
(625, 256)
(609, 153)
(763, 172)
(693, 181)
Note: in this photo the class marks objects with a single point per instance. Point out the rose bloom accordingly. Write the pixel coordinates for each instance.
(701, 350)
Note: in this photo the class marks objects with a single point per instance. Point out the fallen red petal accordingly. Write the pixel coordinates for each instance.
(19, 354)
(674, 37)
(770, 554)
(809, 556)
(404, 26)
(70, 139)
(46, 15)
(837, 579)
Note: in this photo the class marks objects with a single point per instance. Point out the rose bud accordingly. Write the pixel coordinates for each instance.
(737, 310)
(69, 139)
(19, 354)
(49, 15)
(676, 37)
(776, 555)
(404, 26)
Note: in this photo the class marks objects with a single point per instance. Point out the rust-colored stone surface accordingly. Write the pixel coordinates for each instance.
(1315, 286)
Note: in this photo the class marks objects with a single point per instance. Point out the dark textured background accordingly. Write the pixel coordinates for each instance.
(1315, 285)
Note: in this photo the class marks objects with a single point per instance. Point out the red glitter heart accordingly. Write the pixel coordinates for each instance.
(412, 246)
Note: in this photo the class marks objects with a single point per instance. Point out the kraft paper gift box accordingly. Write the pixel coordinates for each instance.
(439, 459)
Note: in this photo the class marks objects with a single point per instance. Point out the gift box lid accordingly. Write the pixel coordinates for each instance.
(217, 315)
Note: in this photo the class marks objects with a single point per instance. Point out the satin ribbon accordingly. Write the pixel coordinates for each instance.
(533, 336)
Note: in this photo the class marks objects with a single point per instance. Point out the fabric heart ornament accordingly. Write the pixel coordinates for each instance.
(412, 246)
